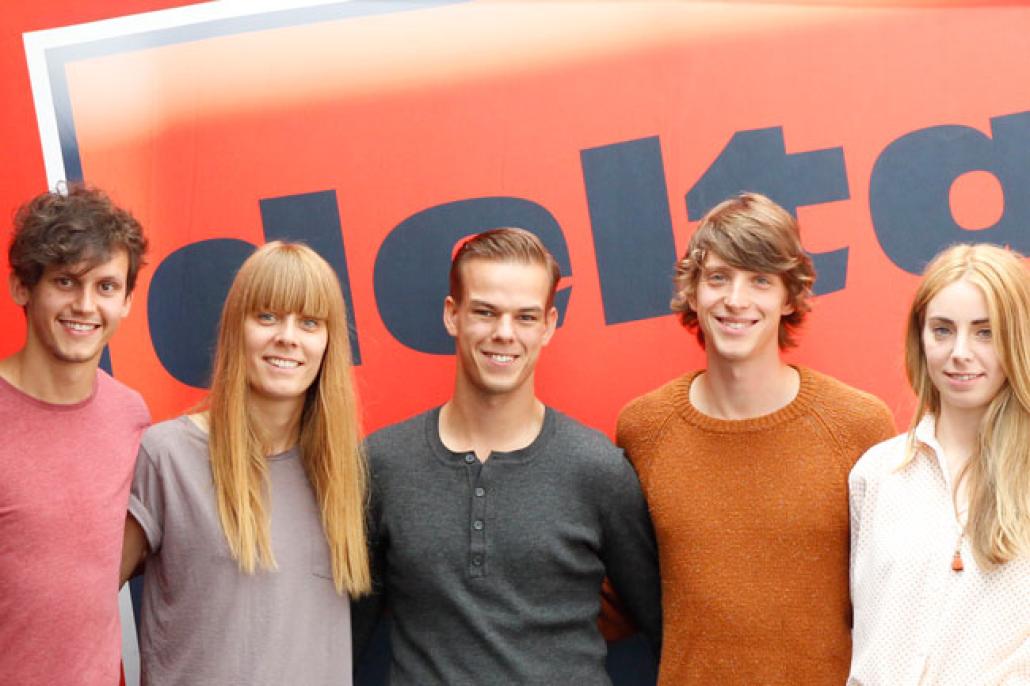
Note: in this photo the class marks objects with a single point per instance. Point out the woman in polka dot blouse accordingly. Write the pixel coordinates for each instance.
(940, 516)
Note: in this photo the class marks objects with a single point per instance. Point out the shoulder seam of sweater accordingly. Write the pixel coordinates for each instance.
(819, 412)
(651, 438)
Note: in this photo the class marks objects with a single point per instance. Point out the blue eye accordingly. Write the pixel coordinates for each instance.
(265, 317)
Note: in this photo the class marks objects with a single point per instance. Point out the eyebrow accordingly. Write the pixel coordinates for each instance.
(68, 271)
(482, 303)
(975, 322)
(708, 269)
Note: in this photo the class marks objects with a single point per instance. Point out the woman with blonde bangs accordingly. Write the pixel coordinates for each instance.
(248, 516)
(940, 516)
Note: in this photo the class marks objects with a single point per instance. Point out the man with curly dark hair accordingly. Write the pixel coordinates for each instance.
(745, 466)
(70, 438)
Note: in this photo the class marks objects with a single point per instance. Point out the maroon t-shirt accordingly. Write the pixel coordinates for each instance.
(64, 486)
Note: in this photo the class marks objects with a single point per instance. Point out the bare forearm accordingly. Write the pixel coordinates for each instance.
(134, 549)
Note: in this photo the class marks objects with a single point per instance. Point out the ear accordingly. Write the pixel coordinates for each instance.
(551, 321)
(450, 316)
(127, 305)
(20, 293)
(788, 307)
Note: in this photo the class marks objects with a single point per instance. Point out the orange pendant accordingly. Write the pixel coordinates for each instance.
(956, 562)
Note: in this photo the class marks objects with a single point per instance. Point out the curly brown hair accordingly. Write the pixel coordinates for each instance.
(82, 225)
(751, 232)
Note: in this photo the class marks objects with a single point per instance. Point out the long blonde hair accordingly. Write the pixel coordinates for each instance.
(289, 277)
(998, 473)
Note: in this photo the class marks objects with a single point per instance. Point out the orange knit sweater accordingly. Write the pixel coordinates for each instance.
(752, 524)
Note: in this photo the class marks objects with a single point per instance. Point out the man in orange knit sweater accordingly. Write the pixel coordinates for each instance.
(745, 467)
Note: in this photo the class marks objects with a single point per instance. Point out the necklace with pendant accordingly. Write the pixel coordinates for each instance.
(956, 560)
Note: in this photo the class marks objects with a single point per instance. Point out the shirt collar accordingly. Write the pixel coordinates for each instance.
(926, 432)
(926, 437)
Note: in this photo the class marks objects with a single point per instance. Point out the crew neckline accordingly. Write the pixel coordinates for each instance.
(47, 405)
(193, 428)
(797, 407)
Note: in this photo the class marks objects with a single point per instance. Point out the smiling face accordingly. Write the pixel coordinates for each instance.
(500, 325)
(739, 311)
(75, 309)
(284, 353)
(961, 357)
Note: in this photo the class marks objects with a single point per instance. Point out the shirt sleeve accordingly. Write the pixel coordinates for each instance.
(630, 554)
(146, 498)
(367, 610)
(856, 495)
(1014, 669)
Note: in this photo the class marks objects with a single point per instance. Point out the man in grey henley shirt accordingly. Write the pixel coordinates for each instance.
(494, 519)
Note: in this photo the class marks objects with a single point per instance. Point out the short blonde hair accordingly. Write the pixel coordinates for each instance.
(748, 232)
(508, 244)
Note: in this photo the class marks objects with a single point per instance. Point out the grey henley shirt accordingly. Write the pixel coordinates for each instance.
(493, 570)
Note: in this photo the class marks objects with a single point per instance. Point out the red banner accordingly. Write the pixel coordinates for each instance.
(381, 133)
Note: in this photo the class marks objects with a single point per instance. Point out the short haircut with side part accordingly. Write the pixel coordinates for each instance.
(750, 232)
(83, 225)
(503, 245)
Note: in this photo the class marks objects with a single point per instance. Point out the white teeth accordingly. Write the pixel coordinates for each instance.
(76, 326)
(502, 358)
(281, 363)
(736, 325)
(964, 377)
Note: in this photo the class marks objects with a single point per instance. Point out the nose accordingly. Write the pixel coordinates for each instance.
(737, 296)
(504, 330)
(84, 301)
(287, 332)
(961, 349)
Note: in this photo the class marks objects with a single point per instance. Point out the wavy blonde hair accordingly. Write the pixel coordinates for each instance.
(998, 473)
(289, 277)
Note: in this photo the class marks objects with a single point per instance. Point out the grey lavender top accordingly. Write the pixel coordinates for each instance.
(493, 570)
(204, 622)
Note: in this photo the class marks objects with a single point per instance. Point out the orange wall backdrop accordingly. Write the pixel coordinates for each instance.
(382, 136)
